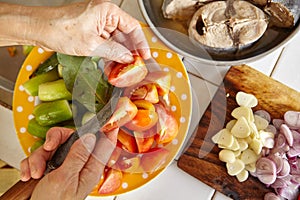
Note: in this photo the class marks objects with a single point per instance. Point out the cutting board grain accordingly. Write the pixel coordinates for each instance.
(200, 158)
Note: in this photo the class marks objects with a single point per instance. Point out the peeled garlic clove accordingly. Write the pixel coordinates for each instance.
(243, 111)
(265, 134)
(261, 123)
(230, 124)
(248, 156)
(224, 138)
(243, 144)
(251, 167)
(241, 128)
(246, 99)
(256, 145)
(242, 176)
(226, 156)
(235, 168)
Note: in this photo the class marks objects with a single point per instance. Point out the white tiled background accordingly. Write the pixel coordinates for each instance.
(282, 65)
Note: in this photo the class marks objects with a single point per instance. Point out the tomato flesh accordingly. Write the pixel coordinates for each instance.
(114, 157)
(145, 118)
(167, 125)
(130, 165)
(127, 141)
(112, 181)
(154, 159)
(144, 141)
(125, 112)
(152, 94)
(146, 92)
(125, 75)
(162, 80)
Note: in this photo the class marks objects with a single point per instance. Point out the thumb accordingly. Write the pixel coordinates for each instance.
(79, 154)
(113, 50)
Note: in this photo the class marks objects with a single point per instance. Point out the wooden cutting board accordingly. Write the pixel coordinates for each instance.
(200, 158)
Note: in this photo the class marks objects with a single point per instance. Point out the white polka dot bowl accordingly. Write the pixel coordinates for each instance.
(180, 105)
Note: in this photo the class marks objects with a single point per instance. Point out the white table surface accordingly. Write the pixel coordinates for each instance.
(174, 183)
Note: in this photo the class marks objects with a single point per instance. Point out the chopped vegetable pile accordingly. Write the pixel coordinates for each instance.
(255, 144)
(71, 90)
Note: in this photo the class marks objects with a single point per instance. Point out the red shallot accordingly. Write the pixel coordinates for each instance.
(284, 157)
(292, 119)
(266, 170)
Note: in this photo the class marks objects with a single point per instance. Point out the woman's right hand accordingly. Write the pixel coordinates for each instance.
(79, 173)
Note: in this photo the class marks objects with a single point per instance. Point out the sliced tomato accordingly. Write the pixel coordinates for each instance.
(152, 94)
(127, 141)
(130, 165)
(146, 92)
(154, 159)
(96, 188)
(125, 112)
(112, 181)
(167, 125)
(162, 80)
(137, 93)
(114, 157)
(124, 75)
(144, 141)
(145, 118)
(112, 135)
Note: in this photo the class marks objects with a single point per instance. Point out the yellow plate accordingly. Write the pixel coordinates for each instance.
(180, 98)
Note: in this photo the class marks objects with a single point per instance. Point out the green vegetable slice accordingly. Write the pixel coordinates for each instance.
(49, 64)
(53, 112)
(35, 129)
(31, 86)
(55, 90)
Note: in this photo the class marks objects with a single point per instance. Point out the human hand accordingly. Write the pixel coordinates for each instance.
(79, 173)
(93, 29)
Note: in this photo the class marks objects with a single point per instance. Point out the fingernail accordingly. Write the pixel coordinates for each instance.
(33, 171)
(89, 141)
(127, 58)
(146, 53)
(22, 176)
(47, 145)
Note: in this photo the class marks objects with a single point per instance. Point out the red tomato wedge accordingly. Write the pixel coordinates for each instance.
(96, 188)
(144, 141)
(154, 159)
(112, 181)
(114, 157)
(152, 94)
(127, 141)
(146, 92)
(162, 80)
(167, 126)
(130, 165)
(145, 118)
(124, 75)
(125, 112)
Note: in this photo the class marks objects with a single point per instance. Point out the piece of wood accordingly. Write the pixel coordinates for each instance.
(8, 176)
(200, 158)
(20, 191)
